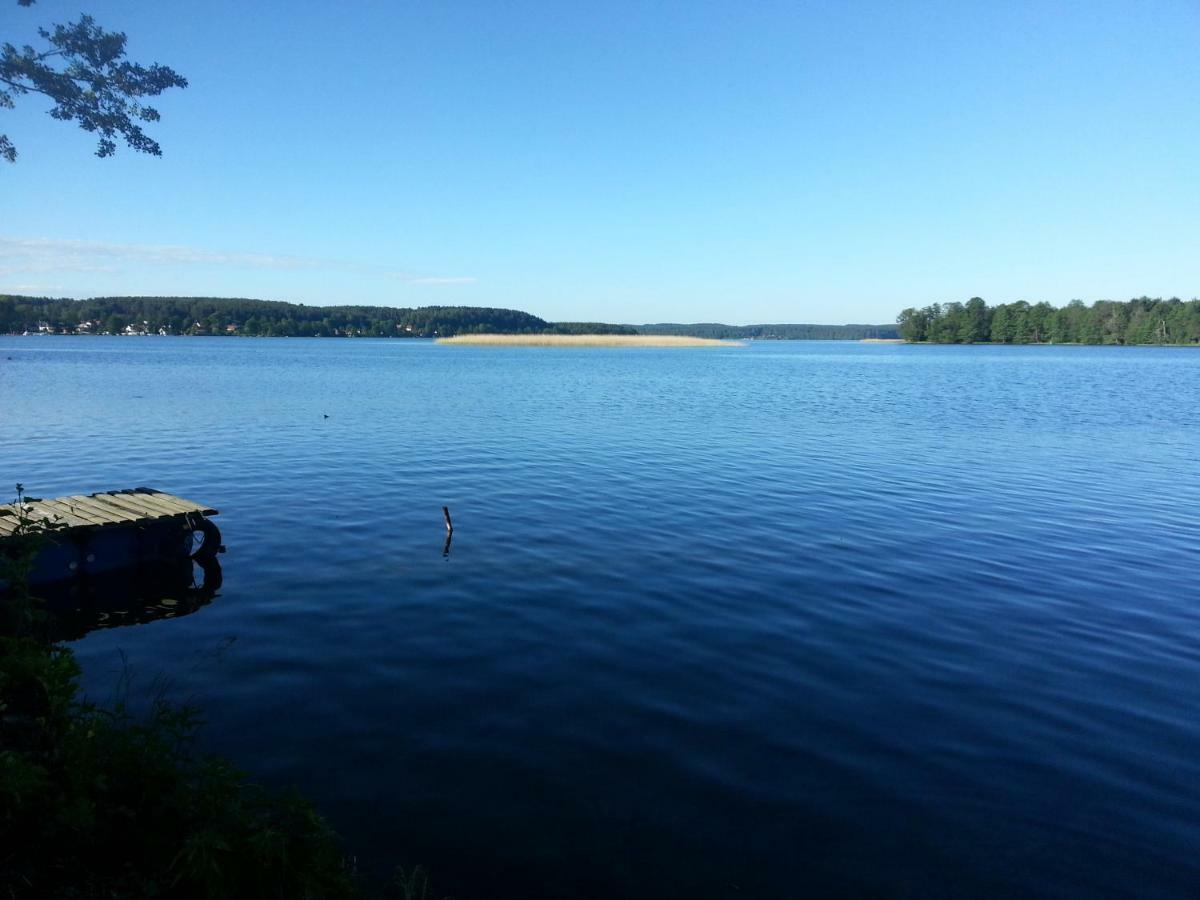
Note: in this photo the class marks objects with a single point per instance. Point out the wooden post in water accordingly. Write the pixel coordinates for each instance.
(449, 524)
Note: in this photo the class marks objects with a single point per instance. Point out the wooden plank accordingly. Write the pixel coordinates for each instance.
(162, 504)
(104, 510)
(132, 507)
(103, 516)
(39, 510)
(155, 506)
(108, 513)
(141, 509)
(171, 500)
(59, 511)
(91, 517)
(113, 514)
(87, 519)
(55, 510)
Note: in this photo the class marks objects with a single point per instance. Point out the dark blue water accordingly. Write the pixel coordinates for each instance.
(787, 619)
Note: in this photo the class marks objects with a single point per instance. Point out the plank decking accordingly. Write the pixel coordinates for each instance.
(105, 510)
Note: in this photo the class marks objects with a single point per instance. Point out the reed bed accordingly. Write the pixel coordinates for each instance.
(584, 340)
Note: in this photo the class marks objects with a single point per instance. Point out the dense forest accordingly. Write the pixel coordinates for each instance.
(1140, 321)
(271, 318)
(221, 316)
(592, 328)
(773, 332)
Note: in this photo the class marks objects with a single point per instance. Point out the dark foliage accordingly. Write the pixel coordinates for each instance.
(272, 318)
(591, 328)
(774, 332)
(1139, 321)
(268, 318)
(82, 70)
(102, 803)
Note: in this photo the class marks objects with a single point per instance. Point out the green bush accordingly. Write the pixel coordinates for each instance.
(102, 803)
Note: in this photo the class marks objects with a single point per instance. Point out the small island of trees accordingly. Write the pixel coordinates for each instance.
(1139, 321)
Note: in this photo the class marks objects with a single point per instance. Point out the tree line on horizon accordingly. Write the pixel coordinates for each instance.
(274, 318)
(266, 318)
(780, 332)
(1143, 320)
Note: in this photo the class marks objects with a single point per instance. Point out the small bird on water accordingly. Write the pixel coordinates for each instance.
(324, 415)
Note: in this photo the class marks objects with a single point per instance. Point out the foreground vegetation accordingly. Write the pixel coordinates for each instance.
(102, 803)
(1140, 321)
(583, 340)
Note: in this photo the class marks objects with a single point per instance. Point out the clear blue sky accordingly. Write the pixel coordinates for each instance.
(635, 162)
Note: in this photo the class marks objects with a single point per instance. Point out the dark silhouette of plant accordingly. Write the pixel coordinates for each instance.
(82, 69)
(20, 613)
(100, 802)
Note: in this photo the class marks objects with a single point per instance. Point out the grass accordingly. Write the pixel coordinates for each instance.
(584, 340)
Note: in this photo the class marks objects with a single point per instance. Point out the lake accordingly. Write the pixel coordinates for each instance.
(768, 621)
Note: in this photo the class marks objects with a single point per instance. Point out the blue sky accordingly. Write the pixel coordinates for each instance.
(635, 162)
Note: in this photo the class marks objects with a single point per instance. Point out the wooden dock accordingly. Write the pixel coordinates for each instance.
(113, 530)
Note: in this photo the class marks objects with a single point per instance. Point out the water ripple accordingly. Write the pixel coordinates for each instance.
(796, 618)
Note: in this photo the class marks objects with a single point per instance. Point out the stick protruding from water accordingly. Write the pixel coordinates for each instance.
(449, 524)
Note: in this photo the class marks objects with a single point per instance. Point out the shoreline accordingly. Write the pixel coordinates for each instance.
(582, 340)
(644, 340)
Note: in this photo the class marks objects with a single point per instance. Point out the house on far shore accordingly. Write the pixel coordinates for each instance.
(231, 329)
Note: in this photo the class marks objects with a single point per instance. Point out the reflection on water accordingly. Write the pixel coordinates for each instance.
(132, 596)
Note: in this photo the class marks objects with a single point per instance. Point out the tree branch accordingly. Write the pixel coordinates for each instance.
(94, 85)
(25, 88)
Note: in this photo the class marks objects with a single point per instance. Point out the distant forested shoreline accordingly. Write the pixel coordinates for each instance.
(1143, 320)
(272, 318)
(265, 318)
(1140, 321)
(773, 332)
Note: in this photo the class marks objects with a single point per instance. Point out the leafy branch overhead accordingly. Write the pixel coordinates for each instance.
(82, 69)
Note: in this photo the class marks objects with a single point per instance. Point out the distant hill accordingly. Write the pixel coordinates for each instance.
(774, 332)
(268, 318)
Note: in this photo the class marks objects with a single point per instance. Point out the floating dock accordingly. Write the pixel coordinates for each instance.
(111, 531)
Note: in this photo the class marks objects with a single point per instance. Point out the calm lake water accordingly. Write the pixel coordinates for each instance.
(787, 619)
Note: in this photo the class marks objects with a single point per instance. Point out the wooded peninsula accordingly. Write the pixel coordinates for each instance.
(260, 318)
(1140, 321)
(270, 318)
